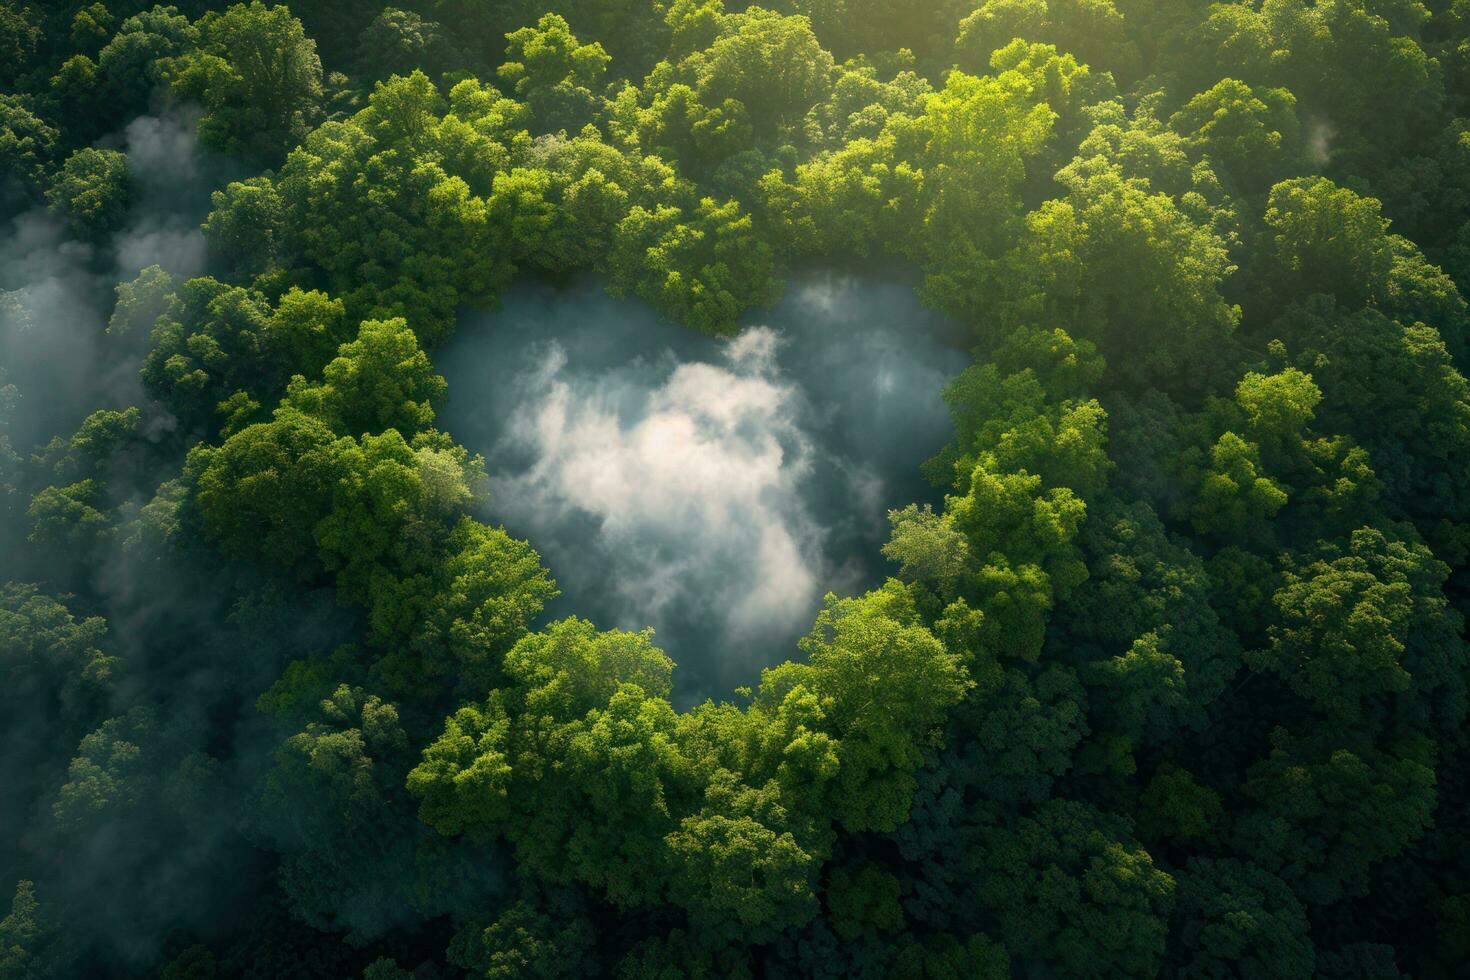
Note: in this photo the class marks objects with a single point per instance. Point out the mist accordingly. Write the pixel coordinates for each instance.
(56, 290)
(197, 639)
(714, 489)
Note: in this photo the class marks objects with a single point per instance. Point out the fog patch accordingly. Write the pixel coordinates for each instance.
(714, 489)
(56, 290)
(1320, 136)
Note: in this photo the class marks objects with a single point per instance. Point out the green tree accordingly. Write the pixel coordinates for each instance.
(214, 339)
(396, 42)
(92, 190)
(1329, 239)
(20, 33)
(773, 66)
(1073, 891)
(245, 225)
(382, 380)
(553, 73)
(32, 945)
(701, 269)
(27, 142)
(1124, 267)
(135, 61)
(1252, 133)
(1235, 916)
(258, 76)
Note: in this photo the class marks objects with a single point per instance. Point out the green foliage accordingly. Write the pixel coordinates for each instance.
(106, 777)
(1251, 134)
(245, 223)
(772, 66)
(19, 37)
(30, 945)
(866, 898)
(527, 941)
(1235, 916)
(1093, 30)
(380, 381)
(1170, 678)
(27, 141)
(53, 661)
(1128, 270)
(1329, 239)
(92, 189)
(1074, 892)
(976, 136)
(137, 58)
(554, 74)
(262, 493)
(210, 343)
(91, 27)
(701, 271)
(258, 77)
(351, 858)
(397, 41)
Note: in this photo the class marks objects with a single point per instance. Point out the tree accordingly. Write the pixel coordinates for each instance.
(461, 621)
(977, 135)
(1093, 30)
(262, 492)
(1075, 893)
(1329, 239)
(1141, 627)
(69, 516)
(553, 73)
(1234, 916)
(1328, 812)
(214, 340)
(93, 190)
(382, 380)
(351, 856)
(1122, 267)
(258, 76)
(27, 142)
(32, 946)
(1396, 390)
(1251, 133)
(309, 326)
(889, 684)
(91, 27)
(606, 748)
(701, 270)
(75, 87)
(773, 66)
(245, 225)
(1362, 623)
(141, 302)
(59, 681)
(1026, 535)
(396, 42)
(737, 868)
(110, 774)
(136, 60)
(547, 940)
(19, 36)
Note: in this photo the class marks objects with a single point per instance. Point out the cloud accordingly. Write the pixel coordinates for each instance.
(56, 292)
(697, 499)
(713, 489)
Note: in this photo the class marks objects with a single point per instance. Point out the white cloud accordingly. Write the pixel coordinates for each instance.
(697, 497)
(713, 489)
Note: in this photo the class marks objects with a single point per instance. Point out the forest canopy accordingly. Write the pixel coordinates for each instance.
(1168, 678)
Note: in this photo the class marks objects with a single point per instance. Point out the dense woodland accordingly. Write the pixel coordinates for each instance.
(1173, 683)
